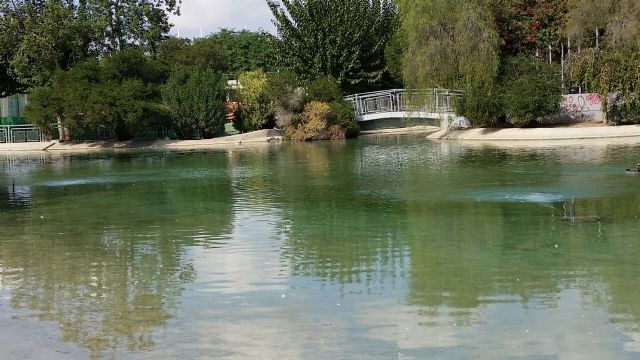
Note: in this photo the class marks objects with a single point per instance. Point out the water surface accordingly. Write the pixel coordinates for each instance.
(387, 248)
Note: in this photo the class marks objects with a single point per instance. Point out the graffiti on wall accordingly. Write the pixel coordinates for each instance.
(586, 107)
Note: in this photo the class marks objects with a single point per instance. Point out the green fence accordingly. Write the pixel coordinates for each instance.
(12, 110)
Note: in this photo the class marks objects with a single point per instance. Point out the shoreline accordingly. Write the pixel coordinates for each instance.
(255, 138)
(530, 137)
(625, 134)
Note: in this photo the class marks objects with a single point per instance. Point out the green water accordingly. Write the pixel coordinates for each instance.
(393, 248)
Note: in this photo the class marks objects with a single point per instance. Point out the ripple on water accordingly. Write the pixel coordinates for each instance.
(517, 196)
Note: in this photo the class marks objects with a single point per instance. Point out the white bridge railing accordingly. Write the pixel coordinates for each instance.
(20, 134)
(401, 100)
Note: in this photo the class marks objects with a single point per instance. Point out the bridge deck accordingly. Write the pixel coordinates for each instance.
(400, 103)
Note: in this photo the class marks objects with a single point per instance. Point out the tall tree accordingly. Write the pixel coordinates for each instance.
(451, 43)
(617, 22)
(610, 65)
(196, 99)
(342, 38)
(246, 50)
(529, 26)
(120, 94)
(39, 36)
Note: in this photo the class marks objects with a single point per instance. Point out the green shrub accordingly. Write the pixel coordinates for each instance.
(286, 95)
(120, 94)
(257, 107)
(345, 117)
(323, 121)
(531, 90)
(482, 106)
(196, 99)
(313, 124)
(45, 107)
(620, 113)
(324, 89)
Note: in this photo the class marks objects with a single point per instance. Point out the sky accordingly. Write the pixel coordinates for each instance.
(211, 15)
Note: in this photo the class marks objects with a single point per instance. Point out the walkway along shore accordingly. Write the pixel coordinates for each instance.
(252, 138)
(613, 134)
(602, 135)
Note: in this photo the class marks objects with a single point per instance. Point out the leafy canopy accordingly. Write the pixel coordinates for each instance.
(196, 99)
(118, 94)
(37, 37)
(345, 39)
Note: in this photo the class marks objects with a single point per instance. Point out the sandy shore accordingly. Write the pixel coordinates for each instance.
(248, 139)
(628, 134)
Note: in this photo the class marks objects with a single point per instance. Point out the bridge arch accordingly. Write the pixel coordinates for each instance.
(390, 107)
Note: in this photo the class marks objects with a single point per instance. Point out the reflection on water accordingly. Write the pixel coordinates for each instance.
(380, 248)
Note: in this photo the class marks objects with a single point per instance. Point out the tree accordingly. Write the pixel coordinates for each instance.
(617, 21)
(119, 94)
(175, 52)
(342, 38)
(531, 90)
(38, 37)
(451, 44)
(529, 26)
(196, 99)
(245, 50)
(610, 66)
(256, 109)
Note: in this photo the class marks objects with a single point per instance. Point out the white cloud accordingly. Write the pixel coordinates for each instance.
(211, 15)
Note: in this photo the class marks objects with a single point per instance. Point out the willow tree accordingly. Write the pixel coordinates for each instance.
(617, 23)
(608, 33)
(345, 39)
(451, 43)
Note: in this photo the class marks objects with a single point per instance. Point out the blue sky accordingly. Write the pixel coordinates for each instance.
(210, 15)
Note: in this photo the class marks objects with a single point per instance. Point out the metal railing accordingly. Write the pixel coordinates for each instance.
(401, 100)
(20, 134)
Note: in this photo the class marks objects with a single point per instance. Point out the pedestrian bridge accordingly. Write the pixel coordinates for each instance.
(397, 107)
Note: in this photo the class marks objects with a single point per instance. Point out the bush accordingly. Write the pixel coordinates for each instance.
(257, 108)
(615, 75)
(531, 90)
(119, 94)
(482, 105)
(287, 97)
(196, 99)
(623, 113)
(45, 107)
(324, 89)
(345, 117)
(323, 121)
(313, 123)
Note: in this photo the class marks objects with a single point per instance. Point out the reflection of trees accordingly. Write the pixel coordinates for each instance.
(332, 232)
(380, 208)
(106, 259)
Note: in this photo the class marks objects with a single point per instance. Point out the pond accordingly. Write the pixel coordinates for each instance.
(379, 248)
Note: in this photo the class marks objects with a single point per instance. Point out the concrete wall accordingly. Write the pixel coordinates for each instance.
(582, 107)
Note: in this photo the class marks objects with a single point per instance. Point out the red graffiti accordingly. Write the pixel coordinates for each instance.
(581, 103)
(594, 99)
